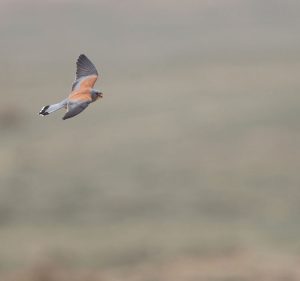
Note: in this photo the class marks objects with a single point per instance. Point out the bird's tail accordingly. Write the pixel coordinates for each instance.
(51, 108)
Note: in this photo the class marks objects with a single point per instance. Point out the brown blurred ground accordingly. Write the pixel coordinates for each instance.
(192, 155)
(236, 266)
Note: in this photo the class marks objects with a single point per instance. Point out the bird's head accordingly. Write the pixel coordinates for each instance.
(95, 95)
(98, 95)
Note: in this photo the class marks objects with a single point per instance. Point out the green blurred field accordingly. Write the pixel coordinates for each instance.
(193, 152)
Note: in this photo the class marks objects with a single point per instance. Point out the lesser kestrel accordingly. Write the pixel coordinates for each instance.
(82, 93)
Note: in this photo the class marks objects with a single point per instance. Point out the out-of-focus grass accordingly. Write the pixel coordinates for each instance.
(194, 149)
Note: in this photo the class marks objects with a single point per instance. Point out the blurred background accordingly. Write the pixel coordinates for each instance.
(190, 162)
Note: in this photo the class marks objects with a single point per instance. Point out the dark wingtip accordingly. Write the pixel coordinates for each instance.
(66, 116)
(82, 56)
(43, 110)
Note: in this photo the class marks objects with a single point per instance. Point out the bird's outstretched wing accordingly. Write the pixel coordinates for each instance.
(74, 108)
(86, 73)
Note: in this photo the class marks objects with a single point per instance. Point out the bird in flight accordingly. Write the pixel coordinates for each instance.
(82, 93)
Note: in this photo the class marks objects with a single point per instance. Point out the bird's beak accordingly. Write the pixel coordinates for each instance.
(101, 95)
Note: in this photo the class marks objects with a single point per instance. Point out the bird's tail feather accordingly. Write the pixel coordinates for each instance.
(51, 108)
